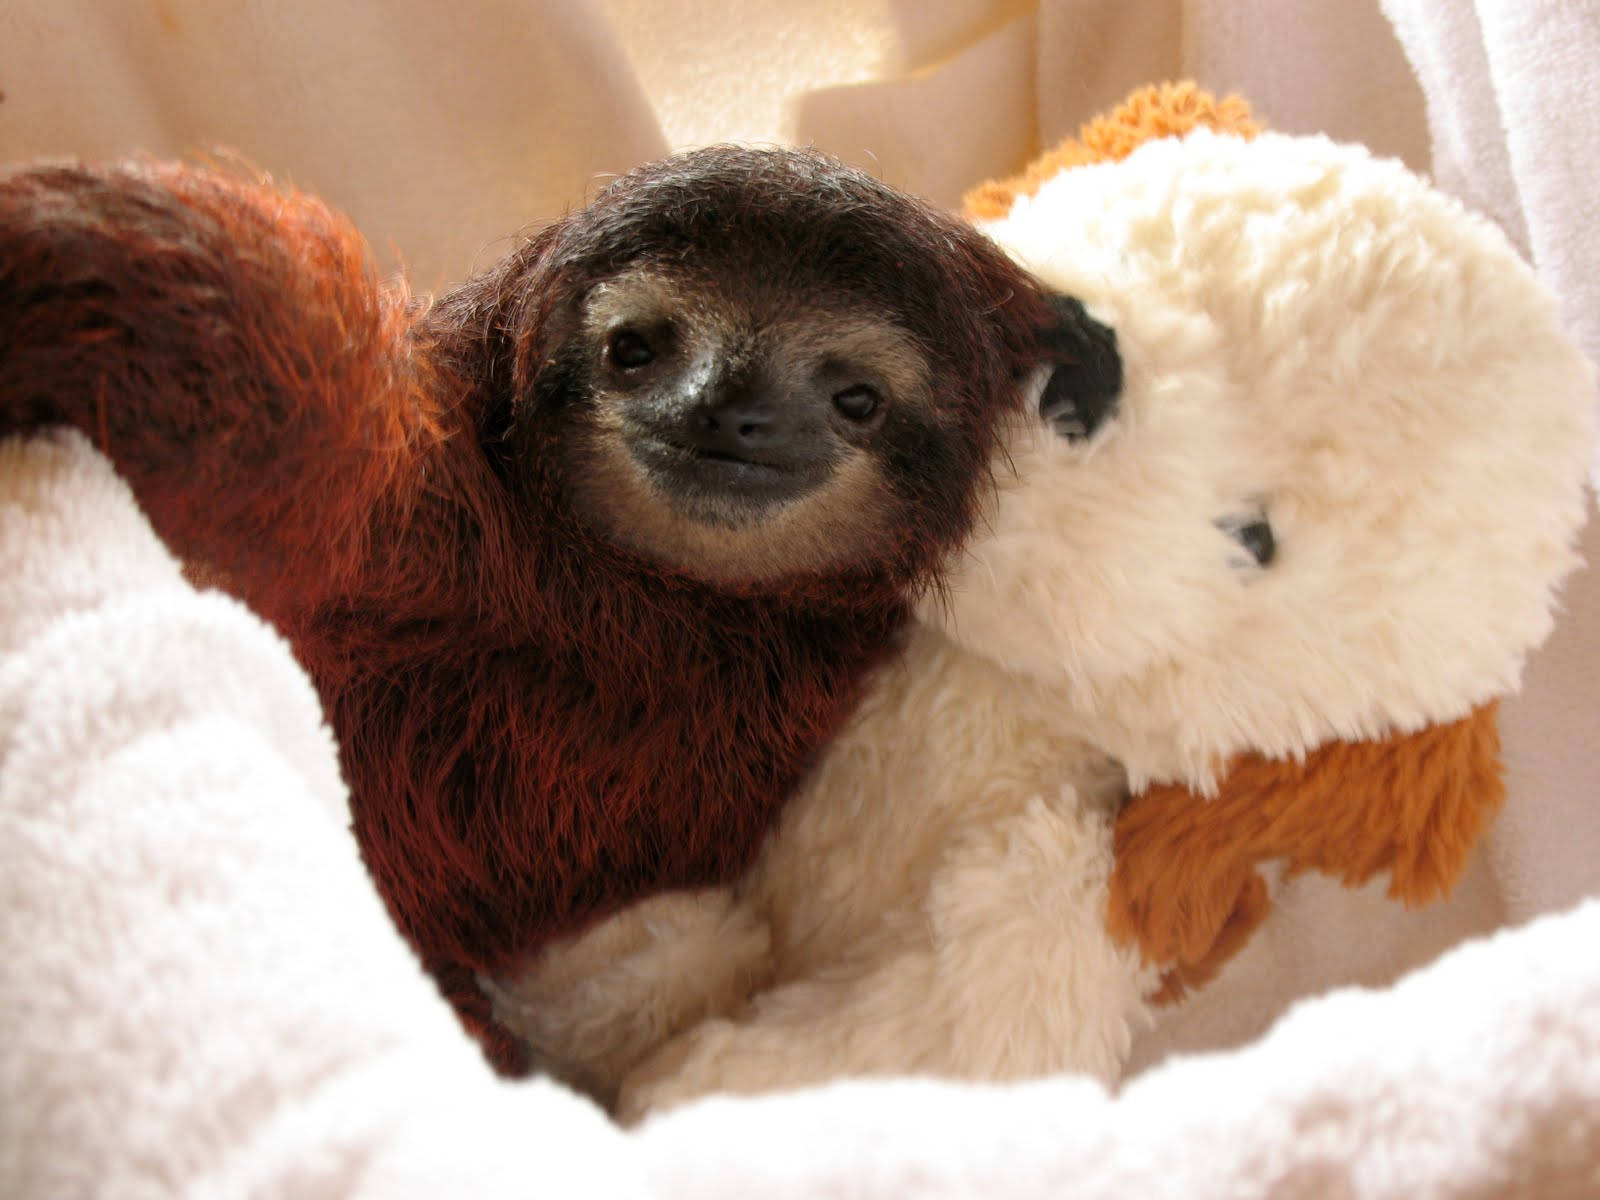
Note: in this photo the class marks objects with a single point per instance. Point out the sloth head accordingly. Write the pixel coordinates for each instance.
(758, 365)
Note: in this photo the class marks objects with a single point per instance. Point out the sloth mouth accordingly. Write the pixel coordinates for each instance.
(666, 449)
(718, 486)
(724, 456)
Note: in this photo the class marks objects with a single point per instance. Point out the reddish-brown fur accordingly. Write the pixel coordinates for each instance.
(536, 724)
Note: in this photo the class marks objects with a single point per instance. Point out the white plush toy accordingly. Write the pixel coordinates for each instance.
(1279, 587)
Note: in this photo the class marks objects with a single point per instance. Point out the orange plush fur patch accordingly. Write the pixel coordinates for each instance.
(1185, 883)
(1158, 111)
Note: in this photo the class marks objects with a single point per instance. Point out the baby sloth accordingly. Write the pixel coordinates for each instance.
(587, 557)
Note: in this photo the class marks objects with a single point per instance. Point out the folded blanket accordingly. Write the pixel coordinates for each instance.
(201, 995)
(201, 992)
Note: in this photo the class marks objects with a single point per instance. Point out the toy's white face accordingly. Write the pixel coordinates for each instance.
(1342, 479)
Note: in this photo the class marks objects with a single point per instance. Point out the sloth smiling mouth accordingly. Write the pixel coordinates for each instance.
(702, 474)
(726, 456)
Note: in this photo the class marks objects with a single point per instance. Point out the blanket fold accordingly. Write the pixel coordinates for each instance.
(203, 995)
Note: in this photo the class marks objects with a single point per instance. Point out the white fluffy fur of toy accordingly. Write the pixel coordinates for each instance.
(1310, 328)
(1307, 333)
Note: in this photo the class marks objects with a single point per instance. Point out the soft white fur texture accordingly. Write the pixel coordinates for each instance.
(934, 898)
(1317, 331)
(887, 898)
(1308, 333)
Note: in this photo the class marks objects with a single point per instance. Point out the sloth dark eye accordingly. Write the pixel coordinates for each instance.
(858, 403)
(629, 350)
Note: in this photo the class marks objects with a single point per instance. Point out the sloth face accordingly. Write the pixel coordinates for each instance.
(759, 366)
(736, 434)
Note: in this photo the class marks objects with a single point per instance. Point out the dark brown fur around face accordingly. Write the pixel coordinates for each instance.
(544, 709)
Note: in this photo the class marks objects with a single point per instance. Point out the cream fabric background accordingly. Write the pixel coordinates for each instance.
(445, 128)
(442, 128)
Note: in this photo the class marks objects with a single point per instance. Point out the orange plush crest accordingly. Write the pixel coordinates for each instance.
(1158, 111)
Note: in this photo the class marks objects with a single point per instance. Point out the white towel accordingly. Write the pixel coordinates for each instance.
(201, 993)
(1515, 117)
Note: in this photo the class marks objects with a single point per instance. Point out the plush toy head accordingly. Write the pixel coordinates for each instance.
(1319, 532)
(1343, 477)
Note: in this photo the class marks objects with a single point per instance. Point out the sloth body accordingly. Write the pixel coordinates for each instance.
(588, 557)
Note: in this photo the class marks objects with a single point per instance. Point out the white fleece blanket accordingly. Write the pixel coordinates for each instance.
(201, 995)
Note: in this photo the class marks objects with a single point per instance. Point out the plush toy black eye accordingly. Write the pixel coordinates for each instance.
(858, 403)
(629, 350)
(1254, 533)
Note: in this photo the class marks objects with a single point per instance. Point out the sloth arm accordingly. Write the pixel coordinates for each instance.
(226, 343)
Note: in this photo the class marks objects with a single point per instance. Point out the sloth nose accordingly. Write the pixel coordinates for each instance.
(742, 426)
